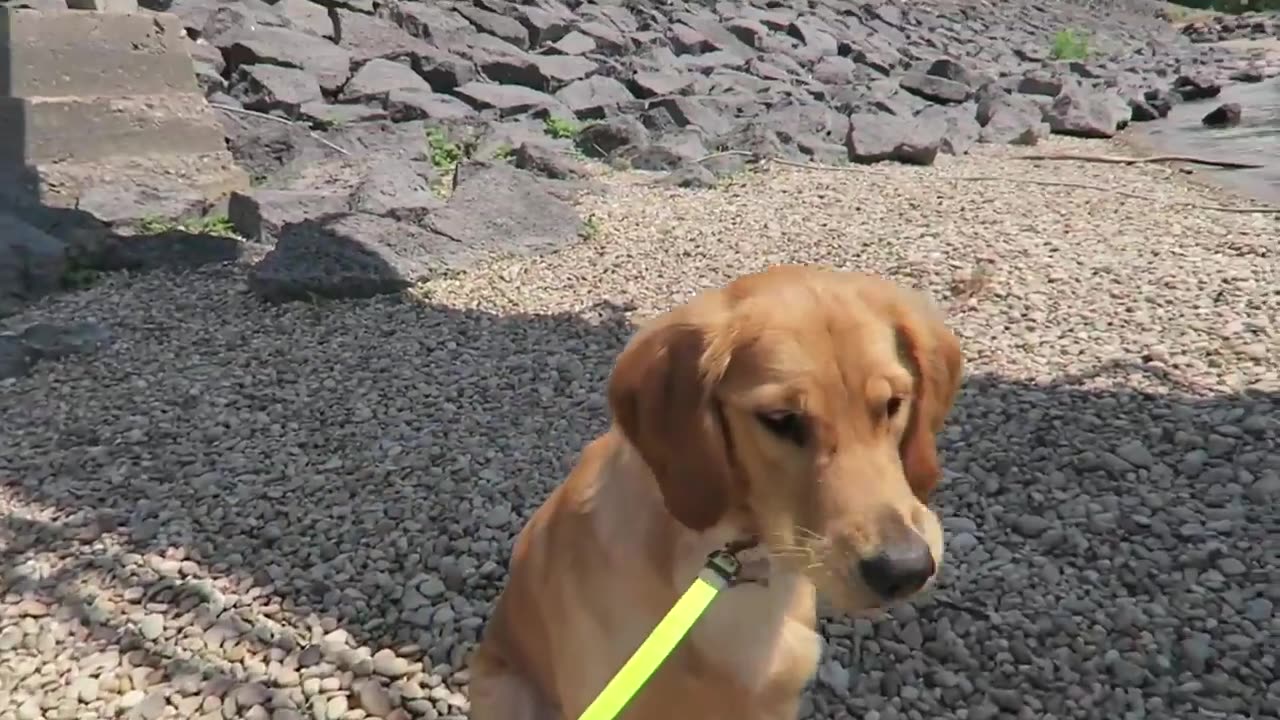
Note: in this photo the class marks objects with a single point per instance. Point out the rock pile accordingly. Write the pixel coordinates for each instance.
(410, 91)
(392, 125)
(1246, 26)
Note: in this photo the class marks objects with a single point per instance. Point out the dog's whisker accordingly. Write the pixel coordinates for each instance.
(811, 535)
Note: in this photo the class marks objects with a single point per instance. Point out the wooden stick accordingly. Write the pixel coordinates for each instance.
(283, 121)
(1118, 160)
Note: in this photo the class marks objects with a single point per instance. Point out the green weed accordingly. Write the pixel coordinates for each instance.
(1069, 45)
(561, 129)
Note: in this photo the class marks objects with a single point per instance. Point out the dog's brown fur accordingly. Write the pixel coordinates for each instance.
(691, 463)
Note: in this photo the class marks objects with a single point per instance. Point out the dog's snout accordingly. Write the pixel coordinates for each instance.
(900, 568)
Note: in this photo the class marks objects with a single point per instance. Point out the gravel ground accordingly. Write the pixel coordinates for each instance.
(238, 510)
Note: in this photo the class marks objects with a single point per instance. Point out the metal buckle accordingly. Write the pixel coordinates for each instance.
(725, 563)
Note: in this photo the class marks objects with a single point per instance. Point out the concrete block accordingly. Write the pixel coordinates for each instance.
(69, 53)
(128, 189)
(41, 130)
(41, 5)
(108, 6)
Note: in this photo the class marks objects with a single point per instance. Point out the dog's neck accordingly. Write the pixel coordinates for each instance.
(634, 525)
(752, 627)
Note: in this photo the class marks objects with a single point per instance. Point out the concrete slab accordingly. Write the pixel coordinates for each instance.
(72, 53)
(125, 190)
(110, 6)
(39, 130)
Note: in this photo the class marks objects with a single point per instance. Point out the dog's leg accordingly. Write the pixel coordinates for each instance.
(780, 709)
(497, 693)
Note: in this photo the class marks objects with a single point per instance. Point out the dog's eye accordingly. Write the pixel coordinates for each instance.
(893, 406)
(785, 424)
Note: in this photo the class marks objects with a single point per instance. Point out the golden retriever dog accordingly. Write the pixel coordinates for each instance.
(798, 406)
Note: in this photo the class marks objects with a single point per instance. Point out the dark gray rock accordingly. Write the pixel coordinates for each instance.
(270, 88)
(556, 71)
(603, 139)
(546, 161)
(496, 24)
(547, 25)
(668, 152)
(873, 137)
(1043, 82)
(307, 16)
(130, 203)
(837, 70)
(219, 23)
(14, 361)
(707, 114)
(922, 140)
(49, 341)
(444, 70)
(367, 38)
(500, 208)
(378, 78)
(260, 214)
(1248, 75)
(1223, 116)
(403, 140)
(209, 65)
(428, 21)
(1009, 118)
(762, 138)
(594, 98)
(396, 189)
(1140, 110)
(953, 70)
(32, 263)
(1161, 101)
(572, 43)
(659, 83)
(1081, 112)
(881, 96)
(510, 100)
(961, 126)
(330, 64)
(322, 115)
(505, 64)
(353, 255)
(86, 239)
(262, 147)
(405, 105)
(1196, 87)
(935, 88)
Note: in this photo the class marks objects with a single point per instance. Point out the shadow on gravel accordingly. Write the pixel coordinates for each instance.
(1110, 549)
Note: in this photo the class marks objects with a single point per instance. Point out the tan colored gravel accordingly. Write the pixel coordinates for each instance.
(276, 512)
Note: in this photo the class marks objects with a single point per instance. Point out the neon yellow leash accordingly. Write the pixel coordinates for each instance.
(721, 569)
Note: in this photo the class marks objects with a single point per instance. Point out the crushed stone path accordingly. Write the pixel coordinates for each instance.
(302, 511)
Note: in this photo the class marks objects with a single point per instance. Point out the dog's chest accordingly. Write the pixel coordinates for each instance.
(757, 636)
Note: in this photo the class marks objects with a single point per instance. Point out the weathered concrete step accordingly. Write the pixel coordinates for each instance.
(128, 189)
(38, 130)
(73, 53)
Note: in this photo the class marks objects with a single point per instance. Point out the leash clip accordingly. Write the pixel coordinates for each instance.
(725, 563)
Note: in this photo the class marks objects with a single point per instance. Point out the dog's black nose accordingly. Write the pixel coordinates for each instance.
(900, 568)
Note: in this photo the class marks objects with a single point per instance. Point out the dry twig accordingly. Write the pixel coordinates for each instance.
(285, 121)
(1118, 160)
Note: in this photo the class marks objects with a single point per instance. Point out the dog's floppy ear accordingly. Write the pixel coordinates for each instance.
(934, 354)
(661, 396)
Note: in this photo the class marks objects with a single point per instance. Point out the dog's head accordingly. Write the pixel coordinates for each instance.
(801, 404)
